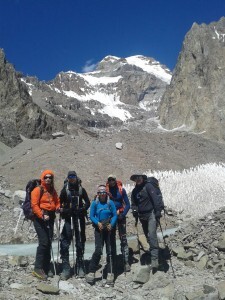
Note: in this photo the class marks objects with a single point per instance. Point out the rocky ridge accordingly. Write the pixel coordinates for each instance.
(194, 100)
(19, 116)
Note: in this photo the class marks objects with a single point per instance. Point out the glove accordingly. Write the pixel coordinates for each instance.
(82, 211)
(158, 215)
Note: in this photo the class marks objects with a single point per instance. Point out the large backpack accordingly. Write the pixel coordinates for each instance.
(27, 210)
(155, 183)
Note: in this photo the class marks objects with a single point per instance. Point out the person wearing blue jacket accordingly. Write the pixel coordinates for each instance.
(104, 217)
(119, 196)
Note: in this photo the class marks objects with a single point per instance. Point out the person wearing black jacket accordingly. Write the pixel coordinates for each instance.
(74, 203)
(147, 204)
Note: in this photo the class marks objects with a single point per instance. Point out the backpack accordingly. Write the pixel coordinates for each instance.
(119, 185)
(155, 183)
(27, 210)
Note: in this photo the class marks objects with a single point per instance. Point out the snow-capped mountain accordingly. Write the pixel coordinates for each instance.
(119, 90)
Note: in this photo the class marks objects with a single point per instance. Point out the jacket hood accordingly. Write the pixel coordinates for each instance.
(45, 172)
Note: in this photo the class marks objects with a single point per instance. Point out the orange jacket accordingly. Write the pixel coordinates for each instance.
(49, 200)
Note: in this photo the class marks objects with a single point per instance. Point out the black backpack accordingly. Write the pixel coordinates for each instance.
(27, 210)
(155, 183)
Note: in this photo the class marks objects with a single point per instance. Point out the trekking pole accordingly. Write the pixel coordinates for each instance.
(72, 229)
(110, 252)
(50, 240)
(58, 229)
(139, 249)
(166, 246)
(17, 224)
(102, 262)
(80, 243)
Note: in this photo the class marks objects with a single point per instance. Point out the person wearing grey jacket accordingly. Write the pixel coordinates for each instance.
(147, 204)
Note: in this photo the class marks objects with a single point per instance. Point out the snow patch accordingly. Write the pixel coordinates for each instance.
(151, 68)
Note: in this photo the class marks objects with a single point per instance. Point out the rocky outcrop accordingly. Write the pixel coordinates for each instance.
(195, 98)
(18, 114)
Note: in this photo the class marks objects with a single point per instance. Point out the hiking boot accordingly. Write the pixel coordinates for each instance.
(90, 278)
(80, 272)
(65, 274)
(50, 274)
(127, 267)
(110, 279)
(155, 264)
(66, 269)
(39, 273)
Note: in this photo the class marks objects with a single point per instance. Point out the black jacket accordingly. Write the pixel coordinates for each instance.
(73, 199)
(146, 198)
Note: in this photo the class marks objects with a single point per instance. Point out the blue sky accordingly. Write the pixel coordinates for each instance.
(43, 37)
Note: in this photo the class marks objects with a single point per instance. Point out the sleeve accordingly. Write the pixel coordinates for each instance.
(114, 214)
(92, 213)
(63, 197)
(155, 197)
(127, 202)
(56, 200)
(133, 201)
(35, 202)
(86, 199)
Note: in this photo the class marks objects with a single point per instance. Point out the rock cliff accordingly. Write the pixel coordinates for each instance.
(195, 100)
(19, 116)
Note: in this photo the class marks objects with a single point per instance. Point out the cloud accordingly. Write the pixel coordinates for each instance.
(89, 66)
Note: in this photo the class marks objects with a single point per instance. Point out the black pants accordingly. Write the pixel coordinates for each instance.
(44, 231)
(67, 235)
(101, 238)
(121, 225)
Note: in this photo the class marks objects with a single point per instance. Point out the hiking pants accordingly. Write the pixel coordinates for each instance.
(149, 226)
(45, 234)
(121, 225)
(66, 237)
(101, 238)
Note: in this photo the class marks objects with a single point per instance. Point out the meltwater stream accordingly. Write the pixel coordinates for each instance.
(30, 249)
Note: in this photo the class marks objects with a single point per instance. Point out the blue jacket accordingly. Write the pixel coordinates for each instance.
(103, 211)
(119, 199)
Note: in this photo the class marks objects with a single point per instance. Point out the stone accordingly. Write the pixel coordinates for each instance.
(202, 262)
(58, 134)
(221, 245)
(221, 289)
(141, 274)
(185, 255)
(17, 286)
(47, 289)
(19, 196)
(119, 146)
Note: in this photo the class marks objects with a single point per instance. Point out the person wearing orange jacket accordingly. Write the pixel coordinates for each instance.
(44, 202)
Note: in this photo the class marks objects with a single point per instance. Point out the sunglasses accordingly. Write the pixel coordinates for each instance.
(111, 179)
(102, 193)
(72, 177)
(48, 177)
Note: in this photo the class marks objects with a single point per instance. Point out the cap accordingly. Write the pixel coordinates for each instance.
(72, 174)
(112, 176)
(134, 176)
